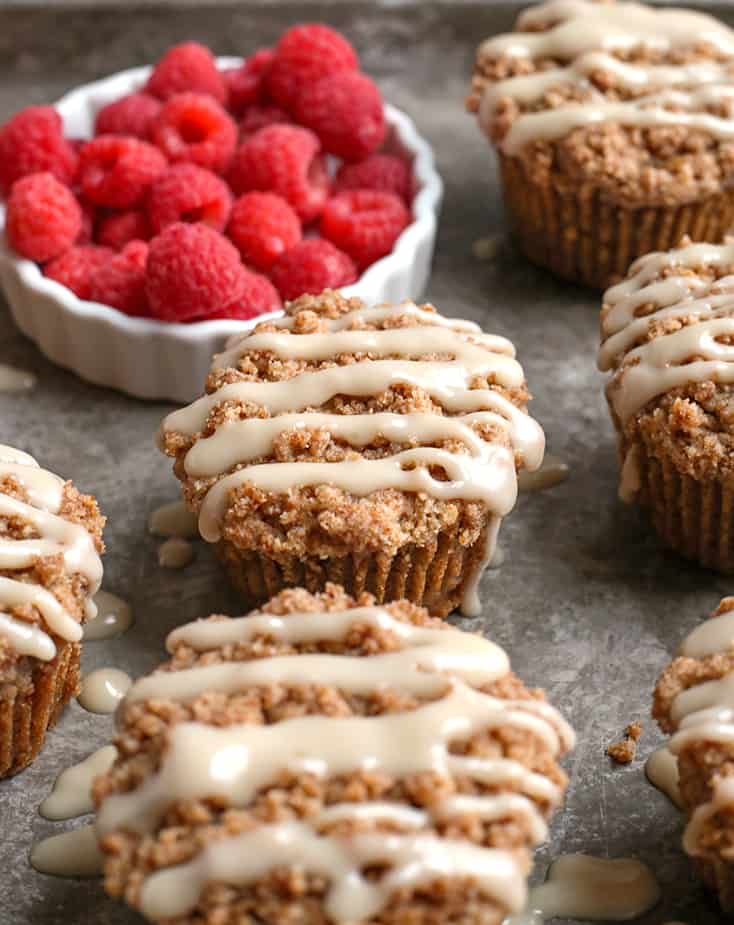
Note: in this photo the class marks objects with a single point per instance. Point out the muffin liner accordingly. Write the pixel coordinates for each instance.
(434, 576)
(31, 704)
(694, 518)
(580, 236)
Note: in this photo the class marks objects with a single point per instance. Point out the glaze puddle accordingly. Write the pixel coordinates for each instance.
(661, 769)
(175, 553)
(72, 854)
(552, 472)
(114, 617)
(72, 791)
(15, 380)
(103, 689)
(173, 520)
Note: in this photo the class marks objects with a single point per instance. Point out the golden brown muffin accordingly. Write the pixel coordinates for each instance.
(50, 543)
(325, 761)
(666, 338)
(694, 701)
(375, 447)
(612, 123)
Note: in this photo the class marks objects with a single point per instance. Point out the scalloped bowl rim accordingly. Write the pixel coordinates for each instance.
(425, 206)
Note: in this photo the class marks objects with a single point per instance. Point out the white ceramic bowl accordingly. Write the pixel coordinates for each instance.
(150, 359)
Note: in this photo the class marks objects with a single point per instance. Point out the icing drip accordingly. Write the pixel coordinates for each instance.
(175, 553)
(15, 380)
(588, 888)
(705, 713)
(72, 854)
(485, 472)
(237, 762)
(56, 536)
(72, 791)
(661, 769)
(113, 618)
(583, 37)
(694, 353)
(551, 473)
(103, 689)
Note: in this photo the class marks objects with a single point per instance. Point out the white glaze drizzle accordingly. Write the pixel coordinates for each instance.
(103, 689)
(55, 536)
(643, 371)
(236, 762)
(72, 854)
(486, 472)
(661, 769)
(705, 713)
(583, 37)
(551, 473)
(72, 791)
(113, 618)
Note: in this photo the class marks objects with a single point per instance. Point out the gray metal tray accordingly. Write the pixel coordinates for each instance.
(586, 603)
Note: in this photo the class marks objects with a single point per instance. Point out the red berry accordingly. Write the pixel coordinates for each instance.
(120, 281)
(262, 227)
(365, 224)
(257, 117)
(187, 68)
(193, 127)
(246, 83)
(192, 271)
(33, 142)
(74, 268)
(385, 173)
(89, 215)
(130, 115)
(303, 55)
(187, 193)
(283, 159)
(123, 227)
(43, 218)
(312, 266)
(259, 296)
(116, 171)
(346, 112)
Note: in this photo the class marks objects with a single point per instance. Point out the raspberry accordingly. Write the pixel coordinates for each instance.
(312, 266)
(303, 55)
(257, 117)
(346, 112)
(192, 271)
(193, 127)
(116, 171)
(283, 159)
(187, 193)
(246, 83)
(259, 296)
(120, 281)
(89, 215)
(187, 68)
(385, 173)
(120, 229)
(363, 223)
(74, 268)
(130, 115)
(262, 227)
(43, 218)
(33, 142)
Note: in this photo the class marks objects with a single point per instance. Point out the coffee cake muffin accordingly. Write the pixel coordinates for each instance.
(667, 340)
(50, 544)
(613, 128)
(409, 783)
(694, 701)
(375, 447)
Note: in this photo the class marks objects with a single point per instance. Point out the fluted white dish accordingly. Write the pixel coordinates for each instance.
(154, 360)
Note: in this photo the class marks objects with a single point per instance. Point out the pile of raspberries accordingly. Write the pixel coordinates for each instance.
(208, 193)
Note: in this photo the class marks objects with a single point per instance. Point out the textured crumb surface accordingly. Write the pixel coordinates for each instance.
(631, 165)
(188, 826)
(624, 751)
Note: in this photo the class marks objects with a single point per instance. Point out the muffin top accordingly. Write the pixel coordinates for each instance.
(341, 428)
(694, 700)
(666, 335)
(329, 757)
(50, 546)
(638, 101)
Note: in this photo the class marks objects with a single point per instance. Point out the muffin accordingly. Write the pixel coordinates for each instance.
(373, 447)
(50, 546)
(612, 124)
(693, 702)
(666, 338)
(409, 783)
